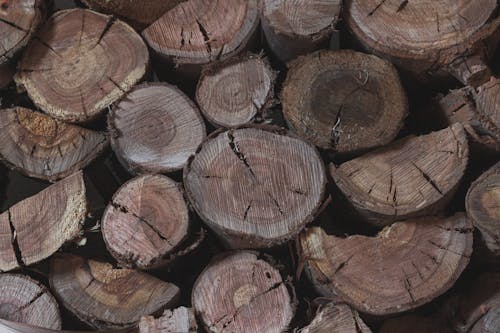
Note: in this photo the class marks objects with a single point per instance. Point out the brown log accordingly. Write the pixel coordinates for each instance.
(180, 320)
(155, 129)
(336, 318)
(405, 266)
(6, 75)
(414, 176)
(75, 78)
(41, 147)
(35, 228)
(415, 324)
(236, 92)
(105, 297)
(24, 300)
(13, 327)
(294, 28)
(344, 100)
(239, 292)
(255, 188)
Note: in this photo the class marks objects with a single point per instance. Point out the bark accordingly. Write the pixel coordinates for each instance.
(75, 79)
(412, 177)
(416, 324)
(13, 327)
(255, 188)
(172, 321)
(405, 266)
(336, 318)
(239, 292)
(344, 100)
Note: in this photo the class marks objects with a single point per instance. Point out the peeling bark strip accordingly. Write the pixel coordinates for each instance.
(146, 221)
(37, 227)
(80, 63)
(255, 188)
(105, 297)
(336, 318)
(412, 177)
(344, 100)
(41, 147)
(180, 320)
(406, 265)
(298, 27)
(24, 300)
(239, 292)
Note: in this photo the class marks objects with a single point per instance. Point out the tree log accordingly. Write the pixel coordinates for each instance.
(241, 293)
(336, 318)
(155, 129)
(344, 100)
(105, 297)
(172, 321)
(236, 92)
(255, 188)
(405, 266)
(35, 228)
(13, 327)
(24, 300)
(75, 79)
(414, 176)
(294, 28)
(415, 324)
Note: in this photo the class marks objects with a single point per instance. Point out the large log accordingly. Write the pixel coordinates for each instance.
(180, 320)
(336, 318)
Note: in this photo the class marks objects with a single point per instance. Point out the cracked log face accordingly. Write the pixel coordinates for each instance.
(146, 220)
(344, 100)
(239, 292)
(294, 28)
(80, 63)
(155, 129)
(41, 147)
(405, 266)
(105, 297)
(234, 93)
(412, 177)
(24, 300)
(255, 188)
(336, 318)
(181, 320)
(35, 228)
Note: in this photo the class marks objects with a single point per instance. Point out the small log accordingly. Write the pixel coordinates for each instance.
(155, 129)
(172, 321)
(6, 75)
(105, 297)
(24, 300)
(405, 266)
(336, 318)
(414, 176)
(241, 293)
(415, 324)
(41, 147)
(345, 101)
(255, 188)
(35, 228)
(294, 28)
(236, 92)
(75, 79)
(13, 327)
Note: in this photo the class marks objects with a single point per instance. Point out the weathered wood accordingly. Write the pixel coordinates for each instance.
(336, 318)
(415, 324)
(487, 98)
(180, 320)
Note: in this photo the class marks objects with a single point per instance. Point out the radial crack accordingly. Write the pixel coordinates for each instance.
(376, 8)
(206, 37)
(15, 244)
(238, 153)
(428, 179)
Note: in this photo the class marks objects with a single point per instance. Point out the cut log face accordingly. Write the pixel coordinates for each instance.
(255, 188)
(234, 93)
(172, 321)
(412, 177)
(24, 300)
(294, 28)
(336, 318)
(155, 129)
(487, 101)
(80, 63)
(35, 228)
(41, 147)
(105, 297)
(406, 265)
(242, 293)
(146, 220)
(344, 100)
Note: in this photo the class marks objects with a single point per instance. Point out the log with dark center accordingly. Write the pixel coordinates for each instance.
(239, 292)
(41, 147)
(405, 266)
(297, 27)
(172, 321)
(336, 318)
(344, 100)
(105, 297)
(146, 220)
(415, 324)
(35, 228)
(155, 129)
(255, 188)
(80, 63)
(234, 93)
(412, 177)
(24, 300)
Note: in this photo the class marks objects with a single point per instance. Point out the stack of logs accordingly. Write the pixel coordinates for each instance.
(243, 166)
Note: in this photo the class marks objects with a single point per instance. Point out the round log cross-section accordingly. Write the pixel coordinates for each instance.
(255, 188)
